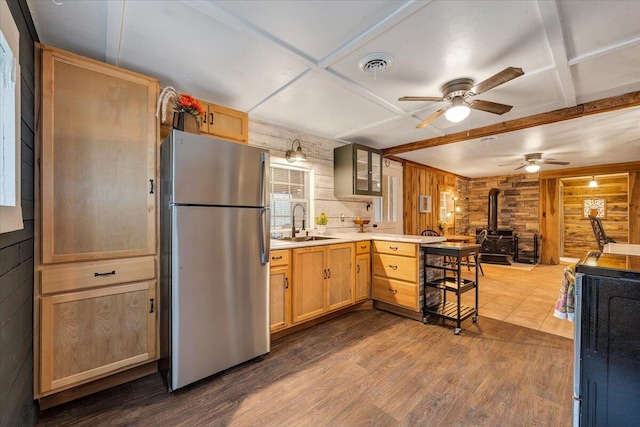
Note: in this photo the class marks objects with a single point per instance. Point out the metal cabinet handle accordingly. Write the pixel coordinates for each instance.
(109, 273)
(276, 257)
(393, 248)
(325, 274)
(393, 267)
(151, 300)
(286, 283)
(363, 247)
(394, 291)
(329, 273)
(151, 184)
(358, 268)
(210, 118)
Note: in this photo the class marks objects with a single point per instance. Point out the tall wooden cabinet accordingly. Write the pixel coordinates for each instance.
(96, 229)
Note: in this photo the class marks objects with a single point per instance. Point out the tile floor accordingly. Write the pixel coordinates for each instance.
(521, 297)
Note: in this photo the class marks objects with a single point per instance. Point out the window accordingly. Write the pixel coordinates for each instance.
(388, 208)
(289, 186)
(10, 210)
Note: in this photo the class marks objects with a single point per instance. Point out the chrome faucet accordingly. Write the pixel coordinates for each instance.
(293, 219)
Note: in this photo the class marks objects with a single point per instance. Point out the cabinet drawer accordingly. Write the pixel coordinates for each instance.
(97, 274)
(281, 257)
(395, 292)
(363, 247)
(395, 267)
(394, 248)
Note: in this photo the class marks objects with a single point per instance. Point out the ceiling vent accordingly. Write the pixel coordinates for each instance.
(375, 63)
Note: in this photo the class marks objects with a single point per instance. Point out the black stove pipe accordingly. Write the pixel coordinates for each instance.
(492, 223)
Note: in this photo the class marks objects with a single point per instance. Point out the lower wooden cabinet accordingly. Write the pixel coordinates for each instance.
(280, 291)
(396, 274)
(363, 277)
(323, 279)
(89, 334)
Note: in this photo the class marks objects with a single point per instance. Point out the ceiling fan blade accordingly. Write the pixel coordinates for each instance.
(490, 107)
(503, 76)
(520, 167)
(431, 118)
(421, 98)
(553, 163)
(510, 164)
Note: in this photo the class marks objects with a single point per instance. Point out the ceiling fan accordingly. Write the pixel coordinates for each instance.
(456, 92)
(533, 161)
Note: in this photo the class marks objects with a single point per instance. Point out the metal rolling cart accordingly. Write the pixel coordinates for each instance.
(453, 254)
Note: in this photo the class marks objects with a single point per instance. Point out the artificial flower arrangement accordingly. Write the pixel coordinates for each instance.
(441, 225)
(182, 103)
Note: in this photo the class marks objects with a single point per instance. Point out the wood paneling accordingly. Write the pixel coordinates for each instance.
(634, 207)
(423, 180)
(577, 232)
(16, 255)
(549, 221)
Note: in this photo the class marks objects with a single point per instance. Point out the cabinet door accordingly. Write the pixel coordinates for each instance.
(280, 300)
(363, 277)
(88, 335)
(227, 123)
(309, 276)
(376, 174)
(361, 159)
(341, 275)
(99, 135)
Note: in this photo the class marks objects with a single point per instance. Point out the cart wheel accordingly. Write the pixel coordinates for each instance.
(424, 320)
(474, 319)
(456, 331)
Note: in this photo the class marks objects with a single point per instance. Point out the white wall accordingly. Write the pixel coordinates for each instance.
(319, 151)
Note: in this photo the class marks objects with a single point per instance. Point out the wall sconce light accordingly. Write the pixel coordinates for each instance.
(593, 183)
(297, 155)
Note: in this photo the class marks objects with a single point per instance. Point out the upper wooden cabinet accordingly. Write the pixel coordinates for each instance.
(357, 171)
(98, 160)
(218, 121)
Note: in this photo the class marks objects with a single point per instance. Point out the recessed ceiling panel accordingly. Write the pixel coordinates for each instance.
(76, 26)
(201, 56)
(593, 25)
(317, 105)
(391, 133)
(315, 28)
(609, 75)
(450, 40)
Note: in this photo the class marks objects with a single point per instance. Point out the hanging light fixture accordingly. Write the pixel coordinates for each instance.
(593, 183)
(297, 155)
(532, 167)
(458, 111)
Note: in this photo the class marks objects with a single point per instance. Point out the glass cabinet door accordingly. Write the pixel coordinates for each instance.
(362, 170)
(376, 173)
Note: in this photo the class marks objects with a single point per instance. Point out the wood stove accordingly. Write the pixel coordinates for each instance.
(500, 241)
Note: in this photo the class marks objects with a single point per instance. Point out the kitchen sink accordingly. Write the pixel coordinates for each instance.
(305, 238)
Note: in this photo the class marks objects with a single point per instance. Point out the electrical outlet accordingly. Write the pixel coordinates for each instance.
(341, 217)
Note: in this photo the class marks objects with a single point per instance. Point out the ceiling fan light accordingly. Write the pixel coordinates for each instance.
(532, 168)
(593, 183)
(458, 110)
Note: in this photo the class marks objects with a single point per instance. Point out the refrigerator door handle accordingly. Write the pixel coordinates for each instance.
(264, 236)
(263, 179)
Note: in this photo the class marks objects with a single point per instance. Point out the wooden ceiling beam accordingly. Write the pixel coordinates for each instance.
(613, 103)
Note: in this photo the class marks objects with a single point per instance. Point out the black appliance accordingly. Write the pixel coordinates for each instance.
(607, 341)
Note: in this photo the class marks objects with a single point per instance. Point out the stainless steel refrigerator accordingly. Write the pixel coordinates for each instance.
(214, 277)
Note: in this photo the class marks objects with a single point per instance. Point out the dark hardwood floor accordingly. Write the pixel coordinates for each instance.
(365, 368)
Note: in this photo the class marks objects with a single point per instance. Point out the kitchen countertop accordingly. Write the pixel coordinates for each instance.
(356, 237)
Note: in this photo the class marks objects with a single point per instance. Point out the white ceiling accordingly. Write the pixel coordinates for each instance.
(295, 63)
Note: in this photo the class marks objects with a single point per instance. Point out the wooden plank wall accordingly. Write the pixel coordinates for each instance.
(17, 406)
(423, 180)
(550, 203)
(578, 234)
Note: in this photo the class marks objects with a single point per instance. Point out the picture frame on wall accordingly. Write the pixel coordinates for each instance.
(424, 203)
(594, 207)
